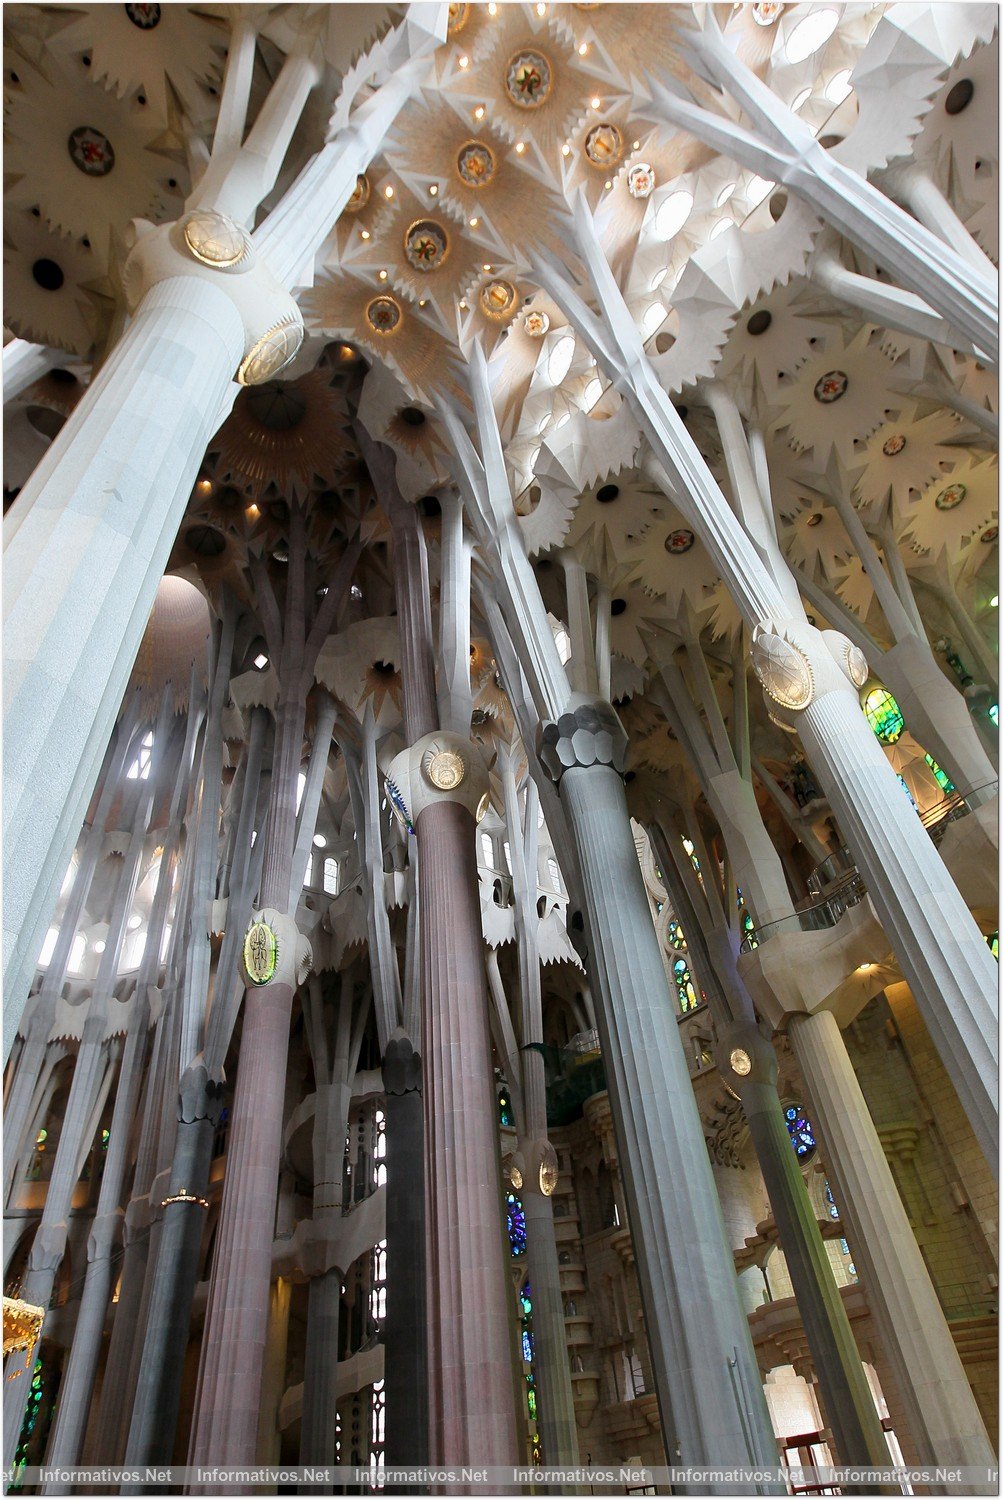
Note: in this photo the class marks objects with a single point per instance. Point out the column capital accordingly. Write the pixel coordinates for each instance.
(200, 1097)
(401, 1065)
(274, 951)
(208, 246)
(588, 733)
(439, 767)
(797, 663)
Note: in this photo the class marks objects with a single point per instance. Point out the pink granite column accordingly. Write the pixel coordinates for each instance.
(470, 1342)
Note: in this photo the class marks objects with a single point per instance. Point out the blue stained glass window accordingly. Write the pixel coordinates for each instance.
(800, 1131)
(884, 715)
(994, 714)
(830, 1201)
(905, 787)
(516, 1220)
(527, 1347)
(505, 1115)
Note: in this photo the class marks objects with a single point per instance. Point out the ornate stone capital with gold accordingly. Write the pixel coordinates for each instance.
(440, 767)
(208, 246)
(796, 664)
(274, 951)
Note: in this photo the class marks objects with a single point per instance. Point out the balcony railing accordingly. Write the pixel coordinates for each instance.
(842, 882)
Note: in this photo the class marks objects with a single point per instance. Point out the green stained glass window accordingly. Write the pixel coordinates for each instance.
(884, 715)
(943, 780)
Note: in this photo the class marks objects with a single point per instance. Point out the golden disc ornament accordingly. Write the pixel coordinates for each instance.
(360, 195)
(475, 164)
(426, 245)
(529, 79)
(604, 146)
(444, 769)
(260, 953)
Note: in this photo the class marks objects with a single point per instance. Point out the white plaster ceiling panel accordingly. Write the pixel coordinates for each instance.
(834, 397)
(957, 506)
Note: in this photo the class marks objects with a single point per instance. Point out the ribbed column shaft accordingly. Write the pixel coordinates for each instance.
(92, 534)
(406, 1367)
(556, 1402)
(318, 1429)
(229, 1386)
(943, 1416)
(706, 1377)
(940, 949)
(470, 1365)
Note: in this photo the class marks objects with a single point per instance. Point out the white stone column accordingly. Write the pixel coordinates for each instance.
(937, 942)
(97, 521)
(943, 1415)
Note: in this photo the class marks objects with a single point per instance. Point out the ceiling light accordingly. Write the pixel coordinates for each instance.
(204, 486)
(365, 234)
(388, 192)
(253, 512)
(541, 9)
(596, 103)
(319, 841)
(492, 9)
(520, 147)
(433, 190)
(422, 301)
(479, 112)
(261, 661)
(474, 223)
(636, 146)
(994, 602)
(464, 62)
(383, 275)
(565, 150)
(463, 307)
(609, 184)
(485, 268)
(583, 49)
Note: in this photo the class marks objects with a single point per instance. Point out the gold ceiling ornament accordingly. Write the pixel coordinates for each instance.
(604, 146)
(214, 239)
(741, 1062)
(459, 15)
(529, 78)
(498, 300)
(360, 195)
(476, 164)
(641, 180)
(783, 669)
(22, 1324)
(482, 807)
(426, 245)
(549, 1169)
(272, 352)
(260, 952)
(444, 769)
(536, 323)
(384, 316)
(765, 12)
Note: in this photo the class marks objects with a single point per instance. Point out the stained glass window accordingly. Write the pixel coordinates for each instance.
(905, 787)
(800, 1131)
(505, 1115)
(830, 1201)
(884, 715)
(994, 714)
(516, 1221)
(943, 780)
(688, 999)
(994, 944)
(676, 937)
